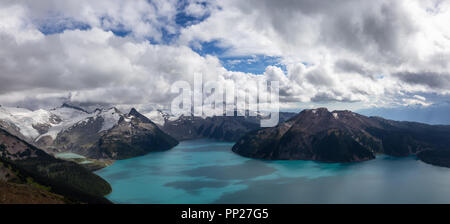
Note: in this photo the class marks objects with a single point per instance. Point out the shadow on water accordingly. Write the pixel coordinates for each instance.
(193, 186)
(247, 170)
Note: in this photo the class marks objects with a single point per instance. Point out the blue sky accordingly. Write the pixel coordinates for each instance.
(255, 64)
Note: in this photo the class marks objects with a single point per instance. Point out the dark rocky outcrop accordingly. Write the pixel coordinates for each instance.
(435, 157)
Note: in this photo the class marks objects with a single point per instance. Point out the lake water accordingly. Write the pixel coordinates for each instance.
(206, 171)
(69, 155)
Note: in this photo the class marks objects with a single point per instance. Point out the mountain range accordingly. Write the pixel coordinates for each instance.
(344, 136)
(106, 134)
(224, 128)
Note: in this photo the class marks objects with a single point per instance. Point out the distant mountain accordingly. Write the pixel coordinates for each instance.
(226, 128)
(100, 134)
(341, 136)
(27, 170)
(433, 114)
(134, 135)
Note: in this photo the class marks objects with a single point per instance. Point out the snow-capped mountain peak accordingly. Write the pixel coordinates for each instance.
(110, 118)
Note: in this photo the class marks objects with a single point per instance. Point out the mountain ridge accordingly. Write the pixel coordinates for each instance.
(340, 136)
(225, 128)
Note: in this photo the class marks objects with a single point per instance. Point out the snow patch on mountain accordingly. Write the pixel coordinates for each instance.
(110, 117)
(67, 117)
(336, 115)
(160, 117)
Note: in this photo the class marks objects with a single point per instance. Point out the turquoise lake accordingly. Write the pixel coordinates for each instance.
(207, 171)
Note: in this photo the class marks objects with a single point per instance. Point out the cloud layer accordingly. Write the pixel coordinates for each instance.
(357, 54)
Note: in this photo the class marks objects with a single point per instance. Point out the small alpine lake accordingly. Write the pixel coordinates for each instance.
(207, 171)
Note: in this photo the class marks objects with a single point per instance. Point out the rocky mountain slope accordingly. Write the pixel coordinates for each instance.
(24, 167)
(341, 136)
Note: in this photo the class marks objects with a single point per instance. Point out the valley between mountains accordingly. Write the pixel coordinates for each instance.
(50, 154)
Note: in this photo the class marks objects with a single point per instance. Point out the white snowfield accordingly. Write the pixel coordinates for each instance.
(159, 117)
(58, 119)
(25, 119)
(156, 116)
